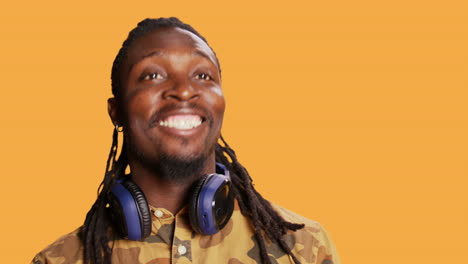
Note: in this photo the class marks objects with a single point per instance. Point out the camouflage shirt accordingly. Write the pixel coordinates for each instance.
(173, 241)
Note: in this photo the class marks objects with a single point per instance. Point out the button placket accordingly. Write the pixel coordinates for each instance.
(182, 244)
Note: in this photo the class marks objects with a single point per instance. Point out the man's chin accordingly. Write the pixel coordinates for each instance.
(178, 169)
(174, 168)
(174, 164)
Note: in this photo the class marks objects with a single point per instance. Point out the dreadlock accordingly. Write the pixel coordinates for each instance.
(96, 232)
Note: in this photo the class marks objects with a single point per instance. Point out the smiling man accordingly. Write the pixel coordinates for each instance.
(186, 199)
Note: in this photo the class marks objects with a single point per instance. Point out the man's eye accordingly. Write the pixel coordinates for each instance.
(152, 76)
(203, 76)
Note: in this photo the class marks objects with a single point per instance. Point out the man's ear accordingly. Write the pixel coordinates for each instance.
(113, 110)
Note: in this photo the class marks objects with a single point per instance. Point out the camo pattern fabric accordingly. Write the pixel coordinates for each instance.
(173, 241)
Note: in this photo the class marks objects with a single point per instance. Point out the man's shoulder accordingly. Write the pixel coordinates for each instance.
(292, 217)
(66, 249)
(312, 242)
(310, 226)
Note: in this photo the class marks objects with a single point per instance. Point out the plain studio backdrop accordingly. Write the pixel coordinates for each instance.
(351, 113)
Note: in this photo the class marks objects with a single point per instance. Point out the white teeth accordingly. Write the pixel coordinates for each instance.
(181, 124)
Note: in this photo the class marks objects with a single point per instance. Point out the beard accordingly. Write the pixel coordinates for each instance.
(171, 168)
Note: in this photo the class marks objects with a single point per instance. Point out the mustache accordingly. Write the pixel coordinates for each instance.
(174, 107)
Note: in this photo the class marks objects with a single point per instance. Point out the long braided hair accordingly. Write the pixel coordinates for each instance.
(96, 232)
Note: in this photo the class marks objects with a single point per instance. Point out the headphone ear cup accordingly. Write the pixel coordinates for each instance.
(142, 205)
(211, 205)
(193, 205)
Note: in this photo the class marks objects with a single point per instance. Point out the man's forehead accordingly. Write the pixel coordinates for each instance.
(167, 39)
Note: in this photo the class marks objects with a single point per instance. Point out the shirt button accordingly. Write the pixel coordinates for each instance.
(158, 213)
(182, 250)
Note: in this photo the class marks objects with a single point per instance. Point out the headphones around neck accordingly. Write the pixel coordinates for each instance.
(210, 206)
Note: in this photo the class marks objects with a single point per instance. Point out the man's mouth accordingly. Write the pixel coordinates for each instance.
(182, 122)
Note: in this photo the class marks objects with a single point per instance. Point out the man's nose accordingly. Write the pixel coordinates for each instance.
(181, 91)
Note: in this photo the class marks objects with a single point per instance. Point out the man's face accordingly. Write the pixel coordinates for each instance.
(171, 102)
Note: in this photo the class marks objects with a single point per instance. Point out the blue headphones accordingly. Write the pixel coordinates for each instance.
(210, 207)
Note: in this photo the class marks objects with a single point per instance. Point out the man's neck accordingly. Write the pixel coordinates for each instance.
(163, 193)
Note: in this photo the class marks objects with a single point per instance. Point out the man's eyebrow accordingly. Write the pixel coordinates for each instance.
(201, 54)
(159, 53)
(154, 53)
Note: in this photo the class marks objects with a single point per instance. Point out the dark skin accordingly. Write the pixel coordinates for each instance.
(168, 74)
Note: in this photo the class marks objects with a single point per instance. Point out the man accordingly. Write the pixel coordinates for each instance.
(172, 207)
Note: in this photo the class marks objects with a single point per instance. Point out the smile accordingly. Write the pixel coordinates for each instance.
(182, 122)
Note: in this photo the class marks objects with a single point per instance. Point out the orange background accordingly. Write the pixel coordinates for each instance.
(351, 113)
